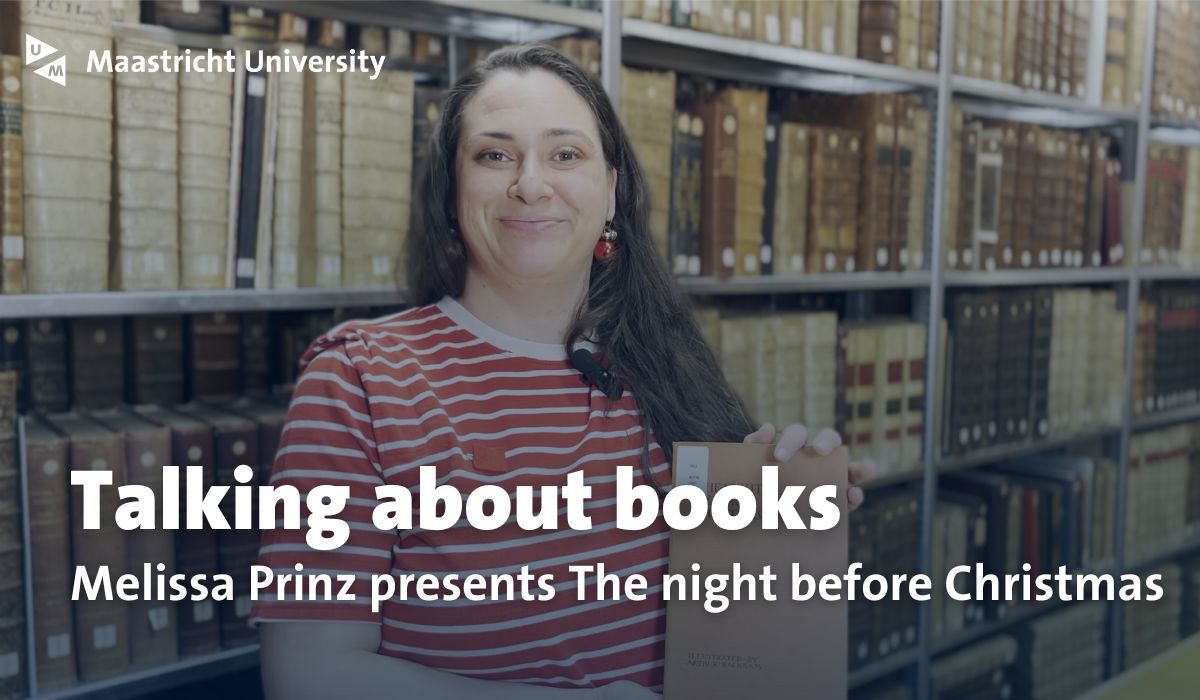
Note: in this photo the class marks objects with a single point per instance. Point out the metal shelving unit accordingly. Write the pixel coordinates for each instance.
(637, 42)
(1043, 276)
(193, 301)
(999, 453)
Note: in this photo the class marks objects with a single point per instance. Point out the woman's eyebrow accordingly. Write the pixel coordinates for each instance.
(549, 133)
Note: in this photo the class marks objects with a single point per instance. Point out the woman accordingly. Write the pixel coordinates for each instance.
(532, 239)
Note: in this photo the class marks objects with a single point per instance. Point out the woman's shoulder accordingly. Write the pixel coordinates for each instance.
(391, 335)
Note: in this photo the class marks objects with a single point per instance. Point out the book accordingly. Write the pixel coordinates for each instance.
(195, 550)
(12, 178)
(46, 458)
(188, 15)
(205, 144)
(101, 626)
(287, 210)
(320, 242)
(751, 109)
(377, 133)
(154, 360)
(718, 188)
(757, 628)
(97, 362)
(687, 161)
(647, 111)
(47, 362)
(145, 219)
(789, 242)
(214, 356)
(152, 627)
(68, 151)
(249, 151)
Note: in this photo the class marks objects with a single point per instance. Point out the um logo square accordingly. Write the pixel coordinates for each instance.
(37, 51)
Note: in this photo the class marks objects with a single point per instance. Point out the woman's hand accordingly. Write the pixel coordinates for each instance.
(827, 440)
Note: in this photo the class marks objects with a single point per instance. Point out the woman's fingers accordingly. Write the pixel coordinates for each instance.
(854, 497)
(791, 441)
(862, 472)
(827, 441)
(764, 435)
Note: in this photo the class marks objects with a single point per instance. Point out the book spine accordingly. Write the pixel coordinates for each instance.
(719, 184)
(12, 180)
(770, 192)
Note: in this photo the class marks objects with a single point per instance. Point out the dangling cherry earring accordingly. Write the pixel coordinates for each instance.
(606, 247)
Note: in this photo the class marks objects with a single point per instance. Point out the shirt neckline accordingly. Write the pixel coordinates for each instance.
(527, 348)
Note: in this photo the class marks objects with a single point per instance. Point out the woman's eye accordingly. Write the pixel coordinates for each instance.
(492, 156)
(567, 155)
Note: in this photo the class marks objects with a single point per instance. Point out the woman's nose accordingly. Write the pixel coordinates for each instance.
(531, 184)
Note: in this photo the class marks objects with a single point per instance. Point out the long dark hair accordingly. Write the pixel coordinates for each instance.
(633, 310)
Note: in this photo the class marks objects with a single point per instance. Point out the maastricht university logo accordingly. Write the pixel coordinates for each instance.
(37, 51)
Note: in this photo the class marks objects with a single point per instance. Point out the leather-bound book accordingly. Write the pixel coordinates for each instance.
(195, 550)
(751, 106)
(1025, 250)
(153, 632)
(687, 162)
(989, 163)
(46, 484)
(719, 186)
(1010, 149)
(214, 356)
(203, 16)
(101, 626)
(46, 360)
(97, 362)
(904, 180)
(834, 195)
(256, 353)
(154, 360)
(1039, 376)
(789, 242)
(13, 340)
(235, 442)
(12, 179)
(877, 28)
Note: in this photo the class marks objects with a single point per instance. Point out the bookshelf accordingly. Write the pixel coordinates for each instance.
(648, 44)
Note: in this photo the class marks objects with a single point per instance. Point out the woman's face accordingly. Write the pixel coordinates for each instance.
(534, 191)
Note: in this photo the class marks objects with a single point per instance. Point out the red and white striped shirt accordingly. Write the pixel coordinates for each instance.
(436, 386)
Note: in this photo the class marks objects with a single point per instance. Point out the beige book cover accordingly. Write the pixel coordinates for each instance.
(758, 649)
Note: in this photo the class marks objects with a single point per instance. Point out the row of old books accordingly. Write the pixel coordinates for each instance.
(153, 151)
(1176, 87)
(866, 379)
(884, 538)
(752, 183)
(1166, 370)
(1029, 364)
(1162, 505)
(90, 640)
(900, 32)
(1171, 232)
(93, 363)
(1039, 45)
(1044, 510)
(13, 679)
(1020, 195)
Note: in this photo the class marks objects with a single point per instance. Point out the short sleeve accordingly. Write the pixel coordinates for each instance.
(327, 439)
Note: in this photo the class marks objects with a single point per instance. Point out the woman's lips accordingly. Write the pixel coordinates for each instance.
(530, 225)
